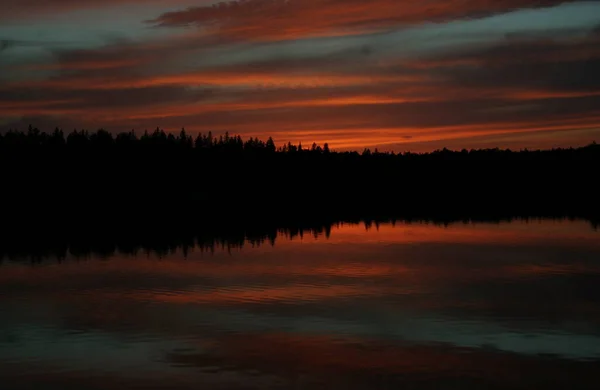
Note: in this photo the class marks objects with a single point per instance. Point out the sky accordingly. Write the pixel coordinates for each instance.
(402, 75)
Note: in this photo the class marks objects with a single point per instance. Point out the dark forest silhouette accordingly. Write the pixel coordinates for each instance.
(96, 181)
(94, 192)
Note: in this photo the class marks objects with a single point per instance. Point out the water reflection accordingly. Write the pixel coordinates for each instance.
(509, 305)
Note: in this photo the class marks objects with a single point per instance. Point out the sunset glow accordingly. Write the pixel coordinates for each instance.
(389, 74)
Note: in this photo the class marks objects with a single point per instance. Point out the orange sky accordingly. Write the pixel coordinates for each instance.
(397, 75)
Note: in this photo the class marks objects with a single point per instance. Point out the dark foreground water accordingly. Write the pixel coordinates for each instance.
(511, 306)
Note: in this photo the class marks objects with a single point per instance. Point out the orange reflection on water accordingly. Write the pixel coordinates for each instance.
(516, 232)
(422, 261)
(263, 294)
(417, 300)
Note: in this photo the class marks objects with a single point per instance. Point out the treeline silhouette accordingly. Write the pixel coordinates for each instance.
(160, 241)
(96, 181)
(180, 240)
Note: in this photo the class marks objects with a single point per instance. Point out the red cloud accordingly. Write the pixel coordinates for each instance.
(518, 89)
(283, 19)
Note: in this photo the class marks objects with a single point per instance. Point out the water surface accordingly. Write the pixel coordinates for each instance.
(513, 305)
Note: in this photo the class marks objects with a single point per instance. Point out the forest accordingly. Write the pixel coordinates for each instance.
(52, 180)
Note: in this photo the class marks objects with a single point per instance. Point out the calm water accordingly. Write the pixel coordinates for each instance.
(511, 305)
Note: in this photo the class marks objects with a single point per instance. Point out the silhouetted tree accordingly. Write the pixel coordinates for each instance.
(270, 145)
(83, 176)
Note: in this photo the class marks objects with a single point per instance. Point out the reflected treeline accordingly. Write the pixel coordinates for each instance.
(83, 181)
(161, 240)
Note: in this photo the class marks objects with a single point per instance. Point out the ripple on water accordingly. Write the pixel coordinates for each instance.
(468, 304)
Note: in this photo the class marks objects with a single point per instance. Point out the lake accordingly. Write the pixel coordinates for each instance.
(509, 305)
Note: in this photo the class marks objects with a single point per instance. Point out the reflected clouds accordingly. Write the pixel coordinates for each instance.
(411, 301)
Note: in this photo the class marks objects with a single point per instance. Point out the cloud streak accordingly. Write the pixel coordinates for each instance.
(397, 75)
(268, 19)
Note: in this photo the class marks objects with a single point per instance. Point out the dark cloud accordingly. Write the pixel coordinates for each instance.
(283, 19)
(32, 9)
(365, 92)
(566, 65)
